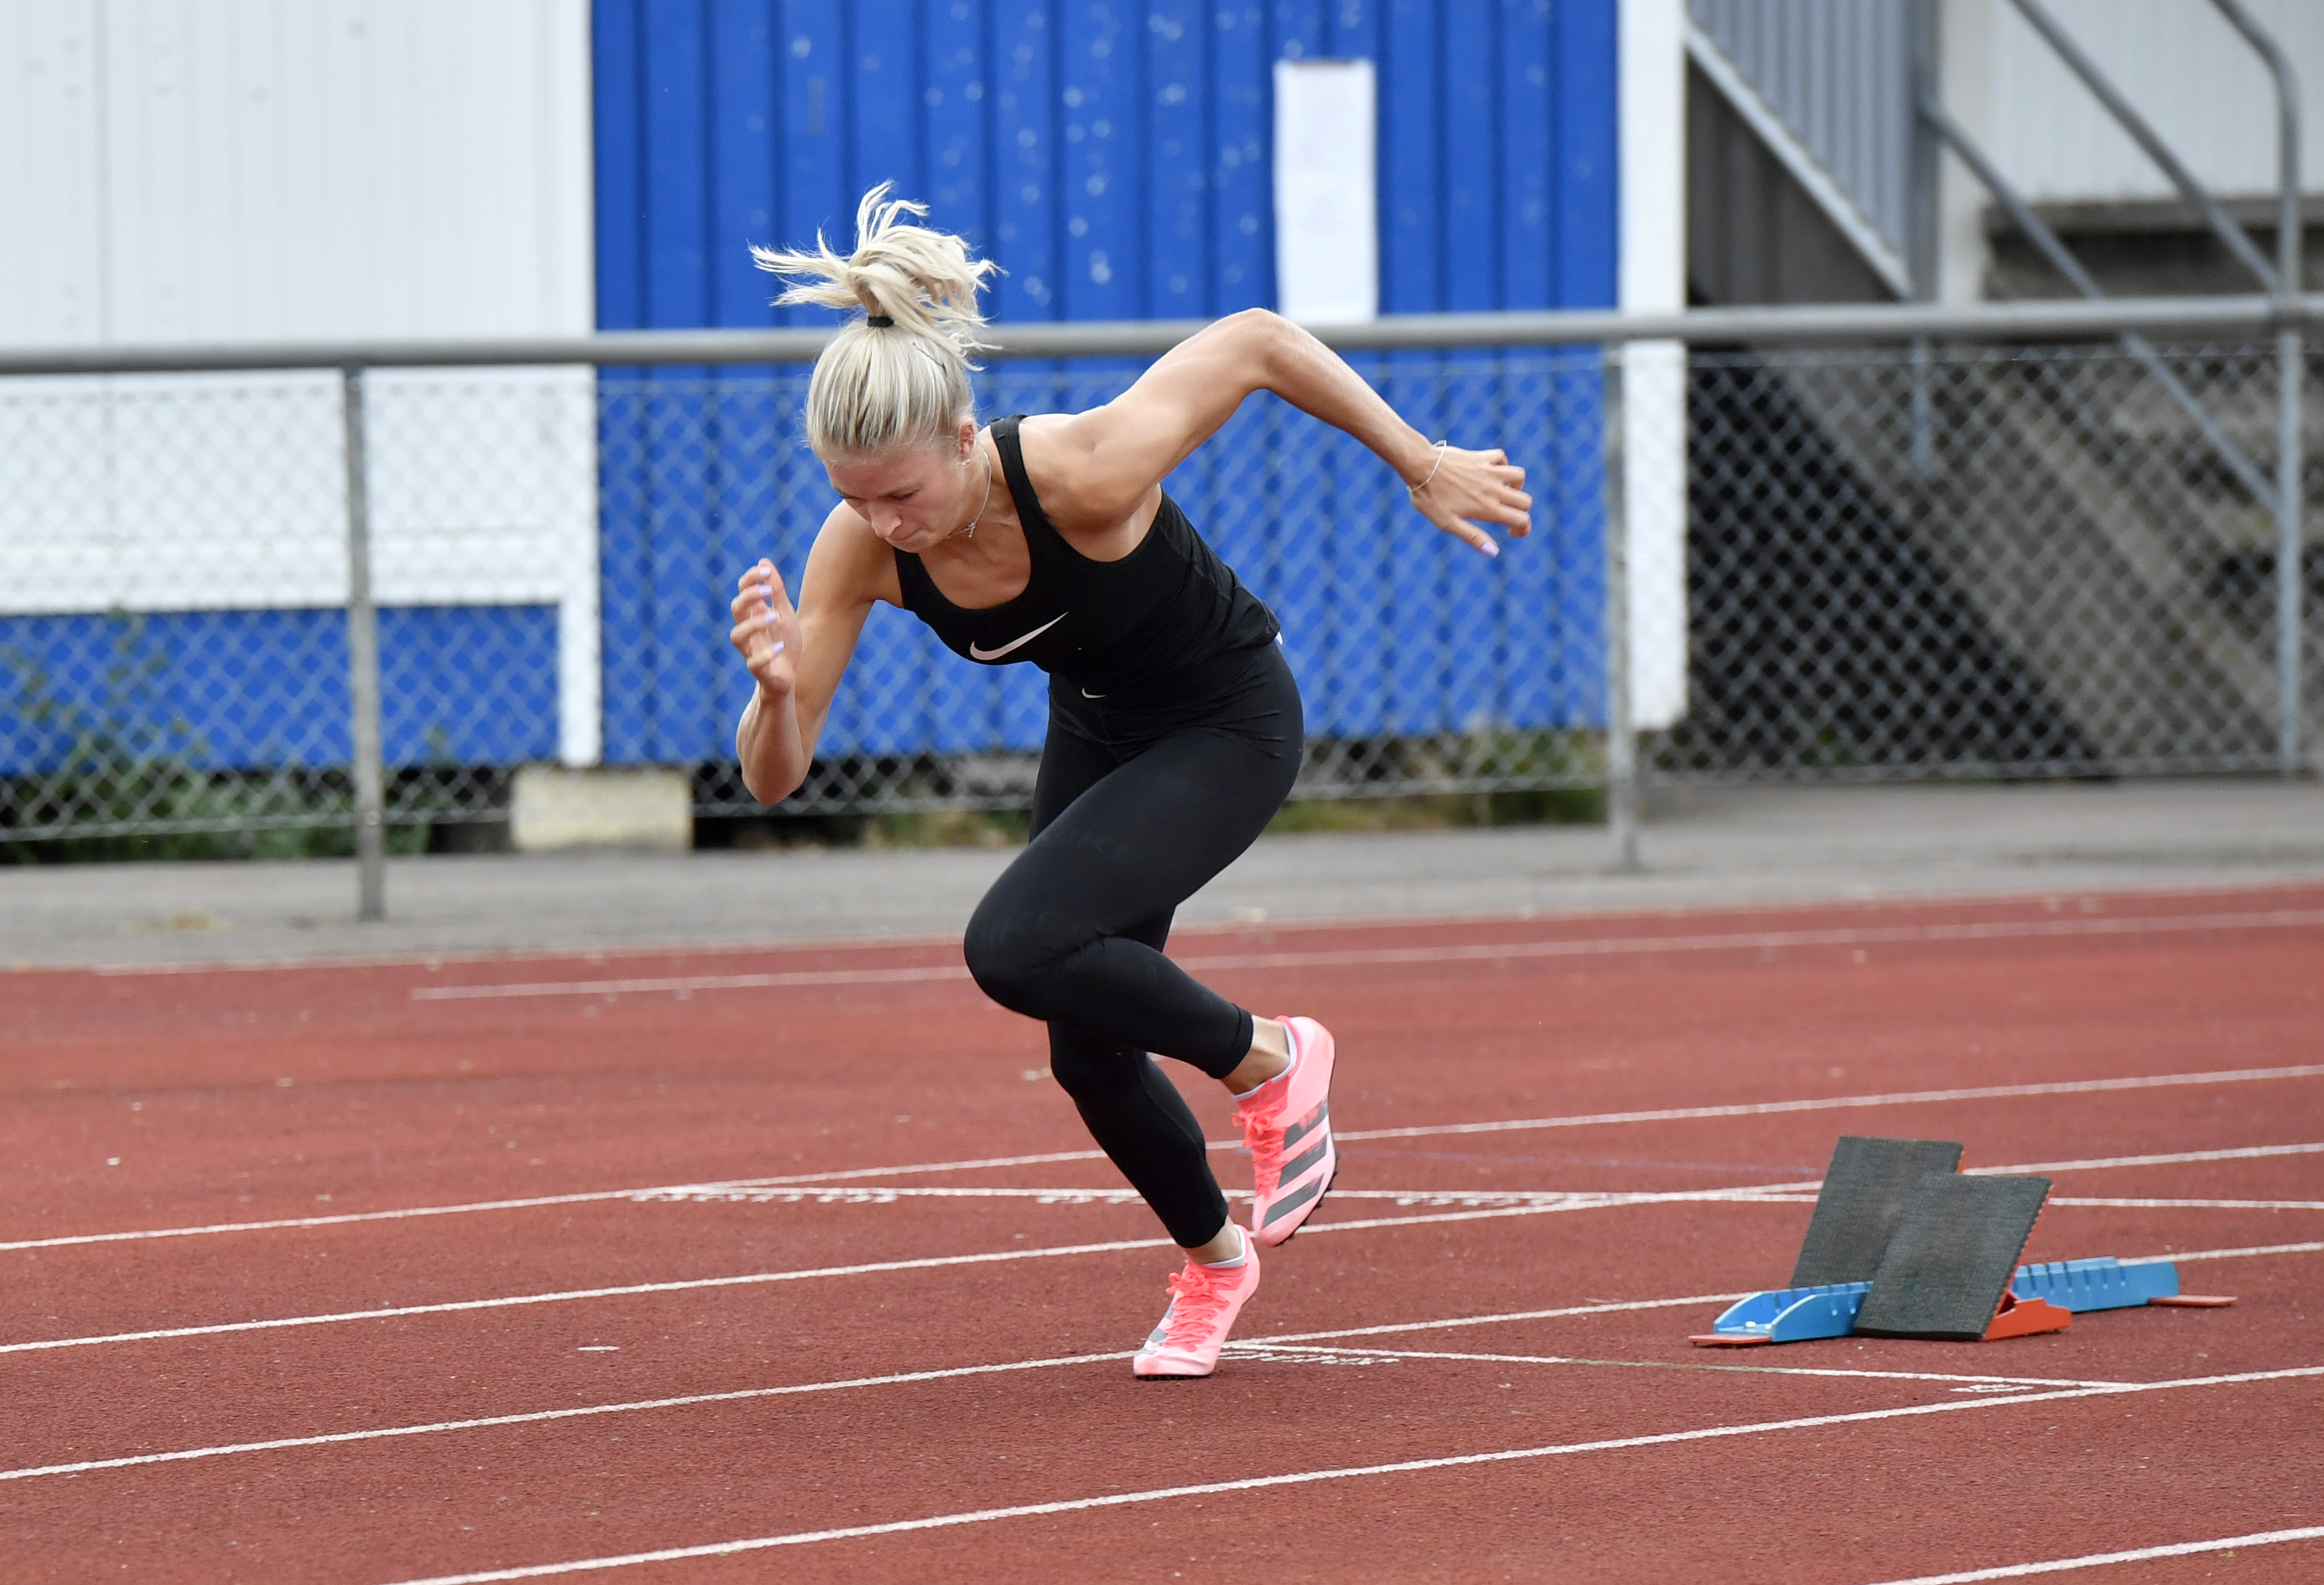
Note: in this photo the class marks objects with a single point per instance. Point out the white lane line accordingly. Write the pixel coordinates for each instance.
(687, 984)
(1845, 1102)
(2192, 1204)
(2098, 1560)
(570, 1295)
(2252, 1250)
(487, 1422)
(2175, 1158)
(594, 1195)
(1395, 1328)
(1309, 1476)
(627, 1290)
(1282, 1341)
(1483, 952)
(1752, 1109)
(738, 1394)
(853, 1382)
(1294, 1349)
(890, 1194)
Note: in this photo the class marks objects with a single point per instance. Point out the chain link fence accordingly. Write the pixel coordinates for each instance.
(1982, 562)
(1856, 563)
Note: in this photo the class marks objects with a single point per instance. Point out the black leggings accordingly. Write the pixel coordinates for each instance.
(1133, 812)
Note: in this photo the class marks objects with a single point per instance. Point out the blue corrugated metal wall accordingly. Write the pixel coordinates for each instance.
(1116, 160)
(239, 690)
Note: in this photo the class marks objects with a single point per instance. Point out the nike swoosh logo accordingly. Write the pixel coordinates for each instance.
(978, 652)
(1087, 695)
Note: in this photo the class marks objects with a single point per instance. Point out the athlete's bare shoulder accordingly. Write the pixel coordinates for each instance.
(849, 564)
(1103, 510)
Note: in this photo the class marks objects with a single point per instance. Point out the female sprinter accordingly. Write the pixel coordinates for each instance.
(1175, 726)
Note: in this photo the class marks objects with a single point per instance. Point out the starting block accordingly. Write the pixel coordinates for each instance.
(1937, 1255)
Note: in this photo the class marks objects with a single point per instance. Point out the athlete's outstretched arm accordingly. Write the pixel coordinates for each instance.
(798, 655)
(1113, 455)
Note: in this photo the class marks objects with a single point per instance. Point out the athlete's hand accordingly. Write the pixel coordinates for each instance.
(766, 630)
(1468, 488)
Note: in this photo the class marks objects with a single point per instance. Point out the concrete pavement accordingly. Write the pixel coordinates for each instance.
(1703, 847)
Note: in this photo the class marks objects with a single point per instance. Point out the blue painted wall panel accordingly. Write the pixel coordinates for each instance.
(249, 690)
(1115, 158)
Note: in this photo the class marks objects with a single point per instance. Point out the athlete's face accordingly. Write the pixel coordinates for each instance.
(914, 497)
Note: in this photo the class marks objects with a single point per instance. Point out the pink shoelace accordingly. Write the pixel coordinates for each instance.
(1195, 1301)
(1262, 1127)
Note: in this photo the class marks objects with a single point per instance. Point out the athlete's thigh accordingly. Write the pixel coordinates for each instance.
(1147, 835)
(1070, 765)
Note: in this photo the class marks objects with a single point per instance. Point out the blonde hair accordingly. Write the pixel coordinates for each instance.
(903, 383)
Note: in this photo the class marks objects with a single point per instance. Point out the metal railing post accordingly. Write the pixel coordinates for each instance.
(2291, 571)
(1621, 729)
(363, 664)
(2290, 382)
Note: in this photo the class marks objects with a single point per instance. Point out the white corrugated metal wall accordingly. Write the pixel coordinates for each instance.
(1839, 75)
(278, 169)
(2189, 74)
(263, 169)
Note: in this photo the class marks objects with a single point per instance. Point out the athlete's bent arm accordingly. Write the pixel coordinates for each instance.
(1112, 457)
(798, 655)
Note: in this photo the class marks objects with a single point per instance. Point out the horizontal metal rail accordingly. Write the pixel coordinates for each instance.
(1855, 324)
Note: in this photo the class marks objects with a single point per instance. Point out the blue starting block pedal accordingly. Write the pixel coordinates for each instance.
(1792, 1315)
(1787, 1315)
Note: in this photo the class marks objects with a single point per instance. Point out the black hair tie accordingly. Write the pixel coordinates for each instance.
(879, 321)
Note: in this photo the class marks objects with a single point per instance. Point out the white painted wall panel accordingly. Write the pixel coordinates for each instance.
(282, 170)
(51, 281)
(2193, 77)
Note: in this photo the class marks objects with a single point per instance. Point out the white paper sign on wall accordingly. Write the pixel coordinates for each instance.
(1327, 204)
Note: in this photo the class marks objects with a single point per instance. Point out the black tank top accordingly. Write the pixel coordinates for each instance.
(1126, 629)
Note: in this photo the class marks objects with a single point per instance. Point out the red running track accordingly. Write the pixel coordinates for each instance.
(608, 1268)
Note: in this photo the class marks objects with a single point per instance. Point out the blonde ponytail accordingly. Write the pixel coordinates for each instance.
(902, 381)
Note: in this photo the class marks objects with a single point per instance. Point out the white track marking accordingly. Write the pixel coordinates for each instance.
(2192, 1204)
(890, 1193)
(2005, 1092)
(2252, 1249)
(1309, 1476)
(753, 1279)
(487, 1422)
(1395, 1328)
(1483, 952)
(2175, 1158)
(1283, 1341)
(2098, 1560)
(408, 1212)
(865, 1381)
(2023, 1381)
(1468, 1198)
(687, 984)
(1604, 1307)
(1844, 1102)
(571, 1295)
(627, 1290)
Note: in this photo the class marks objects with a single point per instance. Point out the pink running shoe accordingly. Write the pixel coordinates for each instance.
(1288, 1124)
(1204, 1301)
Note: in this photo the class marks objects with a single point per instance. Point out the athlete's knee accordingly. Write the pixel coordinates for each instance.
(1013, 959)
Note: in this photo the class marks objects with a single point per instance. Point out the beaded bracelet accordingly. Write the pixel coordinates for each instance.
(1413, 490)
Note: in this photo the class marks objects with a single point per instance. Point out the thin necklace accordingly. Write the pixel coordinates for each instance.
(969, 532)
